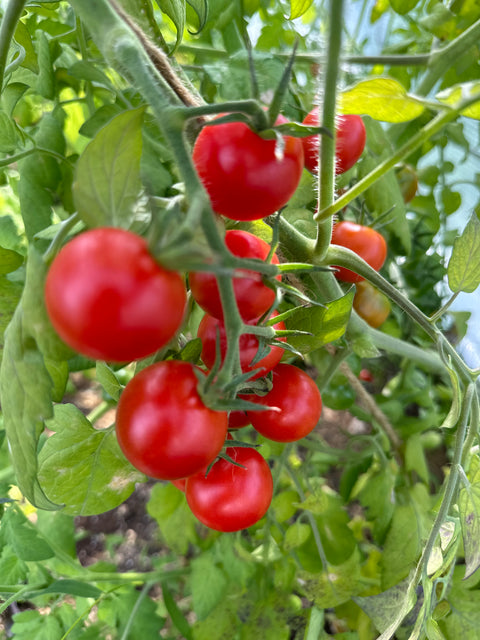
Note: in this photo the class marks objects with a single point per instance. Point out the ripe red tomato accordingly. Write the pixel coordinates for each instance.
(109, 299)
(238, 419)
(252, 295)
(297, 403)
(248, 344)
(163, 427)
(371, 304)
(180, 483)
(366, 375)
(349, 142)
(245, 175)
(364, 241)
(230, 497)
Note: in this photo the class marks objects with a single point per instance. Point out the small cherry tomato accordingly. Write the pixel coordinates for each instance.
(246, 176)
(252, 295)
(296, 405)
(371, 304)
(366, 375)
(364, 241)
(349, 142)
(180, 483)
(248, 344)
(108, 298)
(163, 427)
(232, 497)
(408, 181)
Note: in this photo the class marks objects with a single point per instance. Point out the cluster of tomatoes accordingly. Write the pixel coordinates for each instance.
(109, 299)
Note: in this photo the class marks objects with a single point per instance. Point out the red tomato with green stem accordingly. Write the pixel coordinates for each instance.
(246, 176)
(364, 241)
(248, 344)
(350, 141)
(252, 295)
(163, 427)
(296, 405)
(231, 497)
(109, 299)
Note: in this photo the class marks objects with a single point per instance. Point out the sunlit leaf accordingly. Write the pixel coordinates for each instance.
(176, 11)
(299, 7)
(384, 607)
(383, 99)
(469, 507)
(84, 467)
(458, 93)
(464, 265)
(403, 6)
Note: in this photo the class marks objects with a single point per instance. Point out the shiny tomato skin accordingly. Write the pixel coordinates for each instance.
(252, 295)
(232, 498)
(371, 304)
(238, 419)
(241, 173)
(248, 343)
(110, 300)
(298, 399)
(364, 241)
(163, 427)
(350, 142)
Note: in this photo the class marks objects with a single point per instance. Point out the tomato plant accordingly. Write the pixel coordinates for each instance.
(252, 295)
(246, 177)
(350, 138)
(364, 241)
(109, 299)
(370, 304)
(210, 328)
(232, 495)
(109, 121)
(163, 427)
(296, 405)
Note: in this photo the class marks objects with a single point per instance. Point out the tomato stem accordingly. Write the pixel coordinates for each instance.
(12, 14)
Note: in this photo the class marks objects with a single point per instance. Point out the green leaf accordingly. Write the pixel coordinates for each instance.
(464, 619)
(25, 392)
(12, 568)
(40, 176)
(107, 179)
(109, 381)
(383, 99)
(299, 7)
(334, 587)
(377, 496)
(403, 6)
(176, 615)
(24, 39)
(469, 507)
(464, 265)
(208, 584)
(84, 467)
(453, 96)
(386, 606)
(402, 545)
(36, 322)
(9, 260)
(326, 324)
(17, 532)
(71, 587)
(46, 77)
(8, 133)
(176, 11)
(32, 624)
(10, 293)
(167, 505)
(296, 535)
